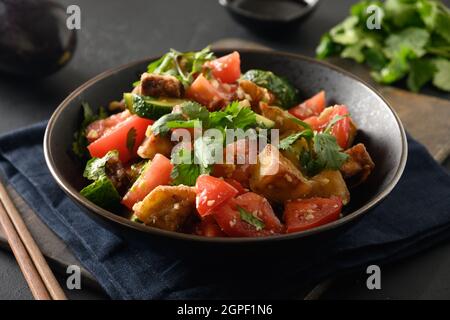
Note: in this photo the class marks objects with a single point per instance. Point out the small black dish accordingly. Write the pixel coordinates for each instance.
(380, 130)
(269, 15)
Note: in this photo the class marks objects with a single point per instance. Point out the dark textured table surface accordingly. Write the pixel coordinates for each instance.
(117, 32)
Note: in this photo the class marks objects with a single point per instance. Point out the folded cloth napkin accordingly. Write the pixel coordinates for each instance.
(413, 217)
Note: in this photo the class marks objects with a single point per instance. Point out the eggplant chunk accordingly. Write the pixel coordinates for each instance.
(284, 121)
(330, 183)
(358, 166)
(166, 207)
(255, 94)
(275, 177)
(154, 144)
(156, 85)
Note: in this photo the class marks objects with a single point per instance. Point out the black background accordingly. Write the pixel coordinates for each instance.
(116, 32)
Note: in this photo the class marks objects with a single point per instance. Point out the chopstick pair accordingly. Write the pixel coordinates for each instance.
(37, 273)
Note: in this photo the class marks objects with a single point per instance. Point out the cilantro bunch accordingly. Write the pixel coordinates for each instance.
(413, 41)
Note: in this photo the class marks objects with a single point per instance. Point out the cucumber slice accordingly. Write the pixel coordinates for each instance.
(148, 107)
(285, 92)
(264, 122)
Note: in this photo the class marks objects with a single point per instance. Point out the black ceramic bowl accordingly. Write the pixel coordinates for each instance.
(273, 17)
(380, 130)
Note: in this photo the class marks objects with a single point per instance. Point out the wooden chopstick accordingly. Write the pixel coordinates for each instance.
(12, 220)
(37, 286)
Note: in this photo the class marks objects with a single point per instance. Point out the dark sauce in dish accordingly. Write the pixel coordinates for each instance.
(271, 9)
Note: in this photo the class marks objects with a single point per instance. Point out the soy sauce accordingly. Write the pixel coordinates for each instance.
(271, 9)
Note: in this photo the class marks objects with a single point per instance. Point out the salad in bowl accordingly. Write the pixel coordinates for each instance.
(200, 146)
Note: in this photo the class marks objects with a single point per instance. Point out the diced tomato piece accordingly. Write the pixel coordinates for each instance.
(341, 129)
(229, 218)
(125, 138)
(311, 107)
(304, 214)
(227, 68)
(208, 227)
(237, 185)
(202, 91)
(211, 193)
(155, 174)
(101, 127)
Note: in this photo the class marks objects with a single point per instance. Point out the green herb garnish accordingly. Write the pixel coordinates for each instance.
(182, 66)
(413, 41)
(251, 219)
(185, 171)
(102, 191)
(323, 151)
(79, 144)
(96, 167)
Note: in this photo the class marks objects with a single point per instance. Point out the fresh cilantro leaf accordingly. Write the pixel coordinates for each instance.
(251, 219)
(183, 66)
(327, 151)
(131, 140)
(186, 174)
(95, 167)
(241, 117)
(160, 125)
(194, 110)
(402, 13)
(103, 193)
(79, 144)
(327, 47)
(355, 52)
(346, 32)
(184, 171)
(290, 140)
(309, 163)
(442, 76)
(421, 72)
(439, 46)
(396, 69)
(435, 16)
(411, 38)
(234, 116)
(375, 58)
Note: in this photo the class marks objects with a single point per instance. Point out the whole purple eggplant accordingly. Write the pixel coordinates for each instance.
(34, 38)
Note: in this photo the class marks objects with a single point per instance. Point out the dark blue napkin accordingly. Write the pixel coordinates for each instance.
(413, 217)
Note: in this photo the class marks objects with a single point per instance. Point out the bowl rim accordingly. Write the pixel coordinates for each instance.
(309, 7)
(92, 208)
